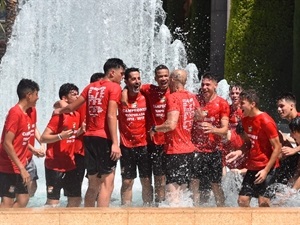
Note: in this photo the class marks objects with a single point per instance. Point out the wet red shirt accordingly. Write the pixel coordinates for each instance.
(18, 123)
(260, 129)
(97, 96)
(214, 111)
(132, 122)
(60, 154)
(178, 141)
(156, 103)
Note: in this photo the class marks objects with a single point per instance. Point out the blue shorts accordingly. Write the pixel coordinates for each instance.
(32, 170)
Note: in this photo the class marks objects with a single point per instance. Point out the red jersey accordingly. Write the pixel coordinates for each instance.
(156, 102)
(132, 122)
(178, 141)
(18, 123)
(60, 154)
(32, 114)
(234, 117)
(97, 96)
(214, 111)
(79, 140)
(260, 129)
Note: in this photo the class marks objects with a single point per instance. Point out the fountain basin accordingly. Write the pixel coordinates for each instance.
(150, 216)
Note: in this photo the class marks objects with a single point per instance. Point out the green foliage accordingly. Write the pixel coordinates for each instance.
(259, 47)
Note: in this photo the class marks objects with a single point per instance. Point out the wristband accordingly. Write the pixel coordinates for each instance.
(59, 136)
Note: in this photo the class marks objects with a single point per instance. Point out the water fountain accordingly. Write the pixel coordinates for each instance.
(54, 42)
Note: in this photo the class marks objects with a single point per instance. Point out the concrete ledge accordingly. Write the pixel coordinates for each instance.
(150, 216)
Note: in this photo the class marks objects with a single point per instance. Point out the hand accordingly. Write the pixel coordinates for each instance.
(25, 176)
(288, 151)
(115, 152)
(207, 127)
(233, 156)
(260, 177)
(56, 111)
(65, 134)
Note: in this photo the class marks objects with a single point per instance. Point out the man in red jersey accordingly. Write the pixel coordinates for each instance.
(180, 110)
(156, 103)
(207, 136)
(286, 107)
(60, 167)
(101, 143)
(236, 139)
(132, 126)
(14, 177)
(263, 155)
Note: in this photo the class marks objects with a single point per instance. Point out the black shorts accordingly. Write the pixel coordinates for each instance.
(79, 162)
(157, 155)
(97, 156)
(11, 184)
(132, 158)
(207, 167)
(178, 168)
(255, 190)
(68, 181)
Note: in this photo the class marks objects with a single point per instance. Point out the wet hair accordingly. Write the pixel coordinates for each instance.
(113, 63)
(235, 85)
(250, 95)
(294, 125)
(96, 76)
(129, 70)
(26, 86)
(209, 76)
(288, 96)
(160, 67)
(66, 88)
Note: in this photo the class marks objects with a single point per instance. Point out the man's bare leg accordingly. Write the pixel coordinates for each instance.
(147, 191)
(92, 191)
(106, 189)
(126, 192)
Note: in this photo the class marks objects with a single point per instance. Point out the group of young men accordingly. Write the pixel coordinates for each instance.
(183, 140)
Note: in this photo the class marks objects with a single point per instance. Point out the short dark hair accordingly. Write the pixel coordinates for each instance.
(288, 96)
(65, 89)
(160, 67)
(26, 86)
(113, 63)
(96, 76)
(236, 85)
(129, 70)
(210, 76)
(250, 95)
(294, 125)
